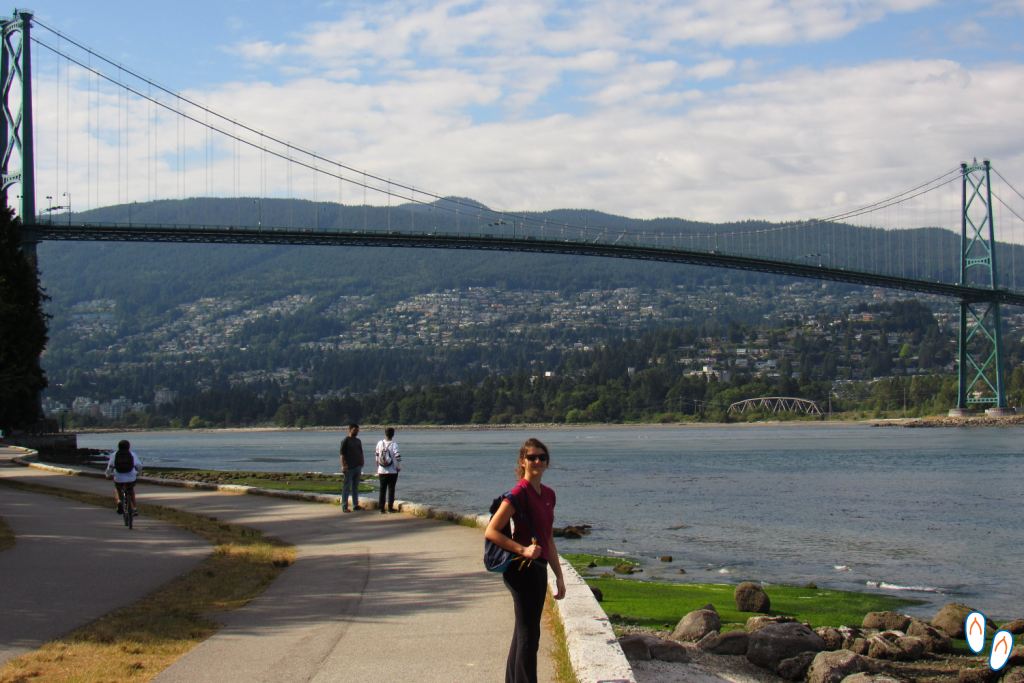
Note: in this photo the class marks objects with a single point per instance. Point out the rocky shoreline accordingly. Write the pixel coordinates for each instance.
(977, 421)
(887, 647)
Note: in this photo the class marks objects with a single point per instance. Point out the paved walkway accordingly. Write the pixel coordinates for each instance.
(73, 563)
(370, 597)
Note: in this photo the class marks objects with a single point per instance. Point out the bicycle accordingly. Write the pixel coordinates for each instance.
(125, 501)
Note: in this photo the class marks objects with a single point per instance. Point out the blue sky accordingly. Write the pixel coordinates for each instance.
(706, 109)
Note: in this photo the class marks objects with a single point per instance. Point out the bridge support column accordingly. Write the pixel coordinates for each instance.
(16, 122)
(981, 329)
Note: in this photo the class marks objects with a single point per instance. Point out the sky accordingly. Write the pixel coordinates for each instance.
(711, 110)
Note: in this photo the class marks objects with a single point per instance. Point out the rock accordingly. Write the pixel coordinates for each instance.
(951, 620)
(771, 644)
(795, 668)
(1015, 675)
(682, 571)
(696, 625)
(666, 558)
(1016, 657)
(707, 638)
(883, 648)
(981, 674)
(833, 638)
(886, 621)
(870, 678)
(571, 534)
(729, 643)
(710, 607)
(857, 646)
(912, 646)
(935, 640)
(833, 667)
(591, 564)
(597, 593)
(751, 598)
(623, 568)
(811, 585)
(666, 650)
(1016, 627)
(635, 648)
(755, 623)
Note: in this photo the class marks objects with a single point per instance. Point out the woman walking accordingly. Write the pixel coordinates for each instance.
(389, 464)
(528, 581)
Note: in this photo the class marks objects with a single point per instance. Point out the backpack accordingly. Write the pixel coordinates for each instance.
(124, 462)
(384, 458)
(496, 558)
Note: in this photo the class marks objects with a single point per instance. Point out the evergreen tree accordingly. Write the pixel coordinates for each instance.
(23, 329)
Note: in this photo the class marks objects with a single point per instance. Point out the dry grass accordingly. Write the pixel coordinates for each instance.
(6, 536)
(560, 650)
(136, 643)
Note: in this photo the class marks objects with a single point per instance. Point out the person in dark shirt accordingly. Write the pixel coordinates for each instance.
(351, 467)
(528, 582)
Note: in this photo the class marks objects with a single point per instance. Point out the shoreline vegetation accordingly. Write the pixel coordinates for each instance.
(906, 422)
(139, 641)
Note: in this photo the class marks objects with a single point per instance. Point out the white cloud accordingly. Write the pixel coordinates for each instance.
(713, 69)
(260, 51)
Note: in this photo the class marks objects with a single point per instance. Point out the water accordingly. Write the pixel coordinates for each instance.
(931, 514)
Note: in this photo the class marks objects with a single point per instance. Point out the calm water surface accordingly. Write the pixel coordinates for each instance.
(932, 514)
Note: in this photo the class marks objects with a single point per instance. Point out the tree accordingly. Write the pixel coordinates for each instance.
(23, 329)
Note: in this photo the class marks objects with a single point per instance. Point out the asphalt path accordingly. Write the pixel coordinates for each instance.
(72, 563)
(370, 597)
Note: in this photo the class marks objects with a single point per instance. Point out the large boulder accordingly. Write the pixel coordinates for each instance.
(935, 640)
(696, 625)
(635, 648)
(1014, 675)
(870, 678)
(755, 623)
(832, 636)
(833, 667)
(666, 650)
(770, 645)
(857, 646)
(981, 674)
(1016, 627)
(751, 598)
(951, 620)
(729, 643)
(912, 646)
(886, 621)
(1016, 656)
(795, 668)
(880, 647)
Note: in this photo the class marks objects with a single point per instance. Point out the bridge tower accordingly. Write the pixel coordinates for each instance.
(16, 122)
(981, 330)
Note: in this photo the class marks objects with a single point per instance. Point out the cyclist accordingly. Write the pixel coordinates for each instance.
(125, 467)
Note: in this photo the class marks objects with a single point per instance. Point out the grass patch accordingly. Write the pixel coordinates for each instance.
(560, 650)
(7, 538)
(283, 481)
(582, 561)
(662, 605)
(136, 643)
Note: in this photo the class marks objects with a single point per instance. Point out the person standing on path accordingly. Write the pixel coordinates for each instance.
(389, 464)
(351, 466)
(528, 581)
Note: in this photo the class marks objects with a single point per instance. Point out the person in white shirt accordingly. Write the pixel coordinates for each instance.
(123, 467)
(389, 464)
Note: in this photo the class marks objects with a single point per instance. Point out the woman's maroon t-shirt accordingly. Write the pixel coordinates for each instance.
(542, 515)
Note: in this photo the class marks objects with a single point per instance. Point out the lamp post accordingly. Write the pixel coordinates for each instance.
(68, 195)
(259, 202)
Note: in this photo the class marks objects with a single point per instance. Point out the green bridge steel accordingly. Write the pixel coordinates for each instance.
(541, 245)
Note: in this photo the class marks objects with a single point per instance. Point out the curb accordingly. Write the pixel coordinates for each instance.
(594, 652)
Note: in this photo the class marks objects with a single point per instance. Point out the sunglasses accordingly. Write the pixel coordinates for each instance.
(534, 457)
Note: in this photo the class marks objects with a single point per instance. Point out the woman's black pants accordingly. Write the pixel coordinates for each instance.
(387, 486)
(528, 587)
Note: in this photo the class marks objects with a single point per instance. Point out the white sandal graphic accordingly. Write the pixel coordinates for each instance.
(1002, 646)
(974, 627)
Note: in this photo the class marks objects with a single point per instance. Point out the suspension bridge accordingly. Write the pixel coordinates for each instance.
(78, 124)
